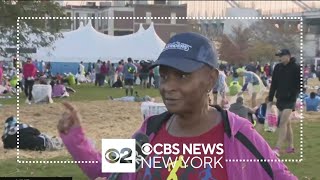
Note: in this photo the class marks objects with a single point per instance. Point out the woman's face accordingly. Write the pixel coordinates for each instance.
(185, 92)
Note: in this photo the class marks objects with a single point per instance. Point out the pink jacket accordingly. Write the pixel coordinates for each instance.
(81, 150)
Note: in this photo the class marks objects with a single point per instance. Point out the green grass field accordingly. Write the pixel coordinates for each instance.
(307, 169)
(90, 93)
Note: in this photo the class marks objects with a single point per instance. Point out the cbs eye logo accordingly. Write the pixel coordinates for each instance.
(113, 155)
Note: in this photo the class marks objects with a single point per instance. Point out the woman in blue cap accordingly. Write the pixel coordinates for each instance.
(188, 71)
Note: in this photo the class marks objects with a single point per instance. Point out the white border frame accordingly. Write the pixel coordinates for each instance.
(195, 18)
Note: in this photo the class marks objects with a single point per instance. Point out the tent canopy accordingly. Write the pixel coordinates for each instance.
(88, 45)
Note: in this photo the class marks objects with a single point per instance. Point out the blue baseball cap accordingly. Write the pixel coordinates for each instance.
(188, 52)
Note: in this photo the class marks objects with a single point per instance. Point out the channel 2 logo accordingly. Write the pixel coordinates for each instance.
(113, 155)
(118, 155)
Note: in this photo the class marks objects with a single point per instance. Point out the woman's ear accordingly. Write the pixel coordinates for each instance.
(213, 77)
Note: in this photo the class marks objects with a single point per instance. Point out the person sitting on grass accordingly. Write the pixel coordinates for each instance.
(42, 81)
(188, 71)
(241, 110)
(59, 90)
(63, 82)
(135, 98)
(30, 137)
(118, 83)
(6, 88)
(312, 102)
(260, 113)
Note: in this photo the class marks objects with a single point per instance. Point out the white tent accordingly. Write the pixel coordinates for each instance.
(147, 46)
(83, 44)
(87, 45)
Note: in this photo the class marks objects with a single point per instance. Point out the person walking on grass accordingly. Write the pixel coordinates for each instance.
(188, 71)
(156, 77)
(103, 73)
(285, 86)
(119, 70)
(107, 79)
(112, 72)
(144, 73)
(97, 69)
(129, 70)
(220, 88)
(29, 74)
(81, 68)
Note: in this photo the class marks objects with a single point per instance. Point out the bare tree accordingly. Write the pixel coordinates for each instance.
(277, 33)
(261, 51)
(234, 47)
(259, 42)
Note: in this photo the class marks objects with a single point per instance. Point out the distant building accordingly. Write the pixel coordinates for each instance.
(266, 8)
(165, 28)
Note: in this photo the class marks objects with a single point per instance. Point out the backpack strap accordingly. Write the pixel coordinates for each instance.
(245, 141)
(252, 148)
(155, 122)
(225, 119)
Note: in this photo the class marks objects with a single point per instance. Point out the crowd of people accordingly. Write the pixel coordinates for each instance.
(122, 75)
(105, 72)
(182, 95)
(127, 74)
(30, 73)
